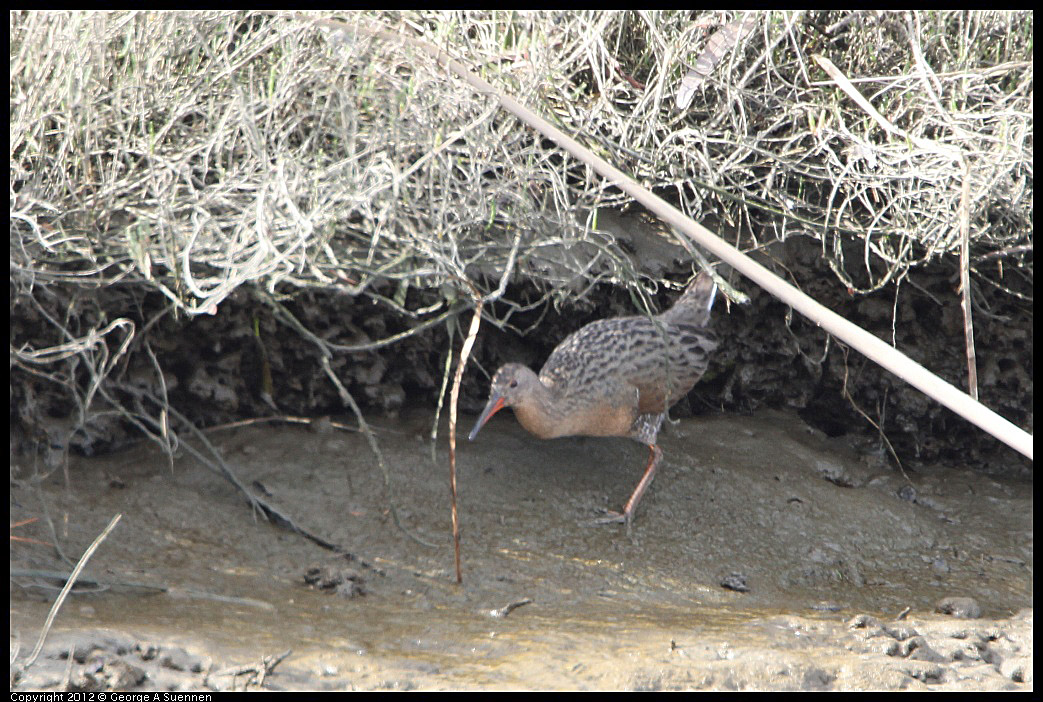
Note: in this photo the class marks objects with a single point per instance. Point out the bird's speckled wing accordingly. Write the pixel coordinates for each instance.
(607, 359)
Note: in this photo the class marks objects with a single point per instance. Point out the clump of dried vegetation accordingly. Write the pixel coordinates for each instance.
(197, 153)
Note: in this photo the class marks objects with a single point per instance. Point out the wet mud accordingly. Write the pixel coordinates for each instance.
(764, 556)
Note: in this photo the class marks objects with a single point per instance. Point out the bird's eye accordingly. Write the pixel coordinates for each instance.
(513, 384)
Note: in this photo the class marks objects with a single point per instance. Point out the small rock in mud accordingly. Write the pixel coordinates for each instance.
(104, 672)
(959, 607)
(736, 582)
(346, 582)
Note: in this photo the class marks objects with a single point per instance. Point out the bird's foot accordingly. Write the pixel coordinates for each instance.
(611, 518)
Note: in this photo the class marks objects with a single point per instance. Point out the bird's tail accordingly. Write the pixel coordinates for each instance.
(695, 303)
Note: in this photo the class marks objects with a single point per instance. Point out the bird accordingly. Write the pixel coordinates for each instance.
(614, 377)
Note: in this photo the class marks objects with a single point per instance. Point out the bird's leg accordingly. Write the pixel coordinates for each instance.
(655, 454)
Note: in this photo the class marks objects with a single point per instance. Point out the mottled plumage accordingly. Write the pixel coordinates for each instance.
(613, 377)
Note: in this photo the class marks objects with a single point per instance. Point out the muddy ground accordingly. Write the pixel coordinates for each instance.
(765, 556)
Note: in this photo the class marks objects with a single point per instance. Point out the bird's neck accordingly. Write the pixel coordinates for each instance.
(542, 412)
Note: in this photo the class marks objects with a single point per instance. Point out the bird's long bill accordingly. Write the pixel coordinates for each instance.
(494, 405)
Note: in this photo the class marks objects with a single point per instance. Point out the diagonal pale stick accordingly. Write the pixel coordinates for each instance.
(68, 587)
